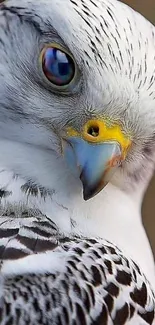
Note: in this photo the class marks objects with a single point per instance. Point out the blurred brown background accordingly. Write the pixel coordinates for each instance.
(147, 8)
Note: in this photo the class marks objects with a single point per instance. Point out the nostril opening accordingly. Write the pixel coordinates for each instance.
(93, 131)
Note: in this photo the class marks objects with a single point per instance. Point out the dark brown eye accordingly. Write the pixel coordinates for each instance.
(58, 66)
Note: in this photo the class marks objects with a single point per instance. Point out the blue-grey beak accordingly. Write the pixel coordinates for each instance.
(94, 163)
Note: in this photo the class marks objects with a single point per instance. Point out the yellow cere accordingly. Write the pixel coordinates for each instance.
(96, 131)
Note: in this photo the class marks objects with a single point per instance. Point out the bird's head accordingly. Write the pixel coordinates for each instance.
(77, 79)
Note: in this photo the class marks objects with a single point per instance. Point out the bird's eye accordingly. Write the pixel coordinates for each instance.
(57, 65)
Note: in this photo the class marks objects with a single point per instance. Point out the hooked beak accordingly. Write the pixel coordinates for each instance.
(95, 154)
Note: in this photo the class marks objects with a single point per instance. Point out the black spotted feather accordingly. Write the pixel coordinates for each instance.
(98, 284)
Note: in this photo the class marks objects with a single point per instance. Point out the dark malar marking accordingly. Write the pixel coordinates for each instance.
(36, 190)
(4, 193)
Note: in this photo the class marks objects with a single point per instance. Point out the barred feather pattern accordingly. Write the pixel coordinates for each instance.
(46, 275)
(97, 285)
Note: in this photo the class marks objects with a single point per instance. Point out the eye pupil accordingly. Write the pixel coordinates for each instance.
(58, 66)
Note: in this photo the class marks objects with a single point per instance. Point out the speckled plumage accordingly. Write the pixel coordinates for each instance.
(96, 283)
(63, 260)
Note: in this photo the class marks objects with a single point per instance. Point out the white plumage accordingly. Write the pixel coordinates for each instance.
(60, 257)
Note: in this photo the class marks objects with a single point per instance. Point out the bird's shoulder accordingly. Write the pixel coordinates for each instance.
(97, 280)
(20, 237)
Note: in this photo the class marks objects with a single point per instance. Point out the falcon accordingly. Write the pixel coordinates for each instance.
(77, 151)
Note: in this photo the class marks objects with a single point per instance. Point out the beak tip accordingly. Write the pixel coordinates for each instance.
(93, 164)
(91, 189)
(89, 192)
(86, 196)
